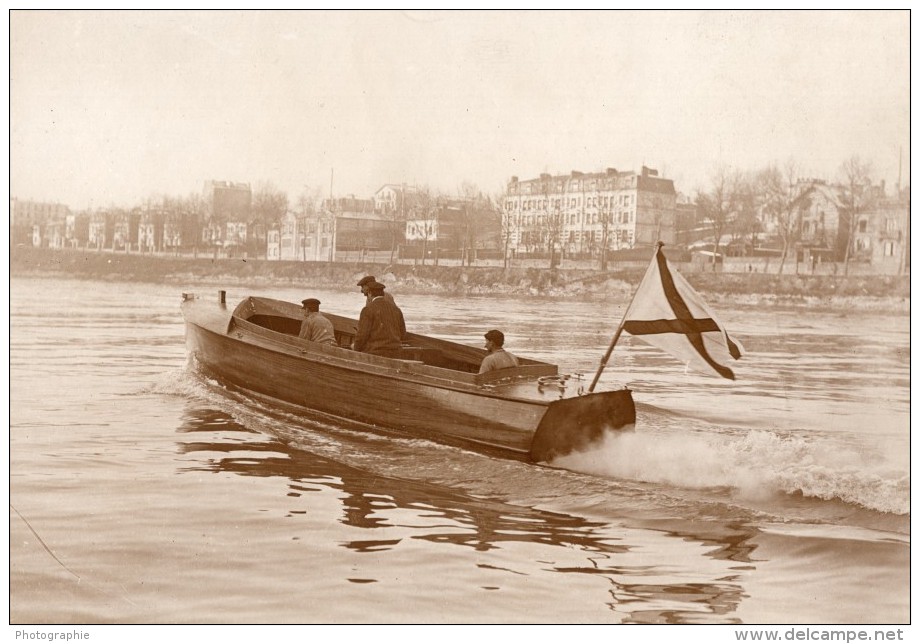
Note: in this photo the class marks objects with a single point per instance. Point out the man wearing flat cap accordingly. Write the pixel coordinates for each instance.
(315, 327)
(498, 358)
(369, 279)
(381, 327)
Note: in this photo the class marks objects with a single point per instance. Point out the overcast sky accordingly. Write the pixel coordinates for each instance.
(109, 108)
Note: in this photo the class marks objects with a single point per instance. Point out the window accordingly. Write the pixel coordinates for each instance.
(889, 248)
(863, 225)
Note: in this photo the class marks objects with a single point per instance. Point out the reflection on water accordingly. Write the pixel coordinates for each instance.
(444, 516)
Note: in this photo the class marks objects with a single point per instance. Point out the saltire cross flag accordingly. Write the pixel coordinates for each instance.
(669, 314)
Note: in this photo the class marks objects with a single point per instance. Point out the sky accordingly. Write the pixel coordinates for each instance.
(115, 107)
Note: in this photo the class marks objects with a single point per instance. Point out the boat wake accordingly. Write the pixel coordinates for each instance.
(755, 466)
(702, 472)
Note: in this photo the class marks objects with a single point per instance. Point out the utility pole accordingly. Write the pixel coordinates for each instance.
(898, 196)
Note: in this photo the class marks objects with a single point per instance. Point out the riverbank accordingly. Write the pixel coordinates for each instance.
(882, 292)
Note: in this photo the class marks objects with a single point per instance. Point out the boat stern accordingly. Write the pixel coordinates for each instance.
(573, 424)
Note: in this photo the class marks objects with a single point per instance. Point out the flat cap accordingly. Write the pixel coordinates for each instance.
(310, 303)
(367, 279)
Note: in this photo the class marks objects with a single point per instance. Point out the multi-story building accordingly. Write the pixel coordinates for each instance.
(229, 211)
(228, 201)
(150, 231)
(582, 213)
(310, 236)
(26, 215)
(173, 224)
(362, 226)
(98, 230)
(823, 221)
(305, 237)
(879, 234)
(397, 198)
(882, 237)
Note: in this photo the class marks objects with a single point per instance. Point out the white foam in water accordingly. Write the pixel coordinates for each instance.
(178, 382)
(755, 465)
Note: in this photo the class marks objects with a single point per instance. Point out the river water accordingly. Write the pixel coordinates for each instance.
(141, 492)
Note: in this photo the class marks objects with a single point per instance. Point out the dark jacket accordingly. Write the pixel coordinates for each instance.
(381, 328)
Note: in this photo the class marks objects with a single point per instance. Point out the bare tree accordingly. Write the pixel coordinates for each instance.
(306, 209)
(269, 204)
(746, 224)
(783, 201)
(423, 215)
(550, 220)
(509, 225)
(856, 195)
(307, 200)
(605, 218)
(719, 206)
(475, 204)
(395, 216)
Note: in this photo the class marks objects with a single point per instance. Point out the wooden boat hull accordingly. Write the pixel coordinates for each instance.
(523, 418)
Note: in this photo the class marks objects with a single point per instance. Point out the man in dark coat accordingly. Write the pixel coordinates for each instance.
(370, 279)
(381, 327)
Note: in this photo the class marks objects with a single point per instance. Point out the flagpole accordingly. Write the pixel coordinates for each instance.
(616, 336)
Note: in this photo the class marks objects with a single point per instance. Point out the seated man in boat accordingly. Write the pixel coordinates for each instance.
(498, 358)
(381, 327)
(369, 279)
(316, 327)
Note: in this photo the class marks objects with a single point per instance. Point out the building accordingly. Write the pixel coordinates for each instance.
(882, 237)
(228, 201)
(880, 227)
(823, 223)
(453, 228)
(398, 198)
(29, 220)
(363, 226)
(310, 236)
(229, 210)
(305, 237)
(582, 213)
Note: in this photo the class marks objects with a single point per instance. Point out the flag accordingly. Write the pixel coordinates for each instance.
(667, 313)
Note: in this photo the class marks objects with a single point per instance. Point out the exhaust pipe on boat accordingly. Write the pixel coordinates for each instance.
(222, 297)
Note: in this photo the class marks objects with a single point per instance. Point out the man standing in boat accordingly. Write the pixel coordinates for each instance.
(381, 327)
(498, 358)
(370, 279)
(316, 327)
